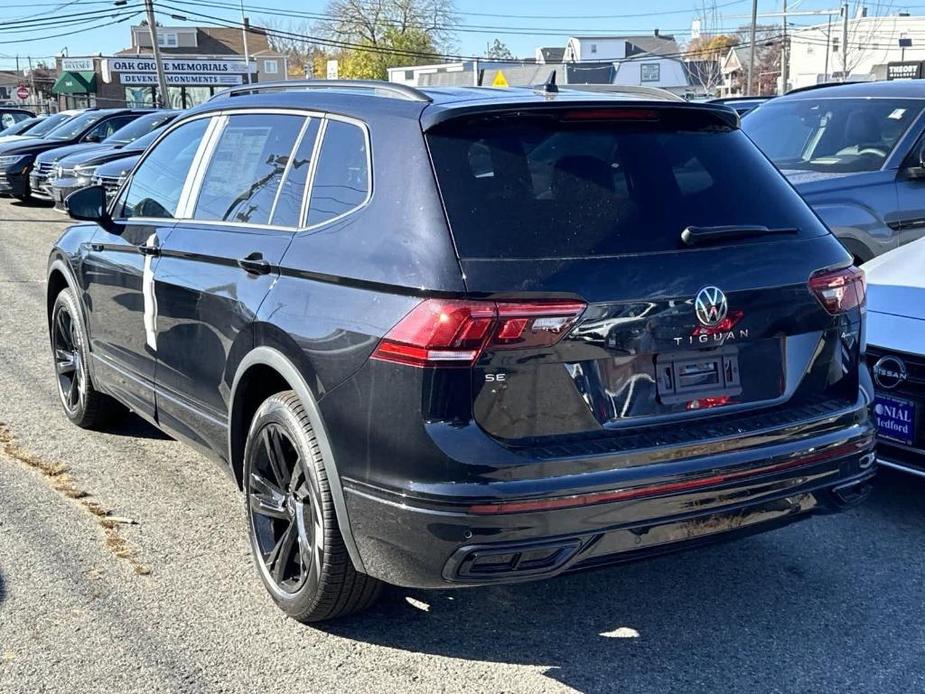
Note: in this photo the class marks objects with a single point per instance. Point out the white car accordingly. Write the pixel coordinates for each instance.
(896, 354)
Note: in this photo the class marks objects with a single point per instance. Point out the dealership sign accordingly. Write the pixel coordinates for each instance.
(77, 64)
(176, 66)
(135, 79)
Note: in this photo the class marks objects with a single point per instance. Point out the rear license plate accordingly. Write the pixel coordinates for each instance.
(895, 419)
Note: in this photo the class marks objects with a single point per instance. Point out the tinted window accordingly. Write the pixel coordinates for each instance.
(542, 188)
(21, 127)
(155, 188)
(289, 202)
(342, 177)
(840, 135)
(74, 127)
(105, 129)
(139, 127)
(246, 168)
(7, 119)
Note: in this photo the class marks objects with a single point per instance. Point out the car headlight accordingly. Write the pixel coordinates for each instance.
(12, 160)
(84, 174)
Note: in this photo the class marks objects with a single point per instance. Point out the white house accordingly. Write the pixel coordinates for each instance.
(817, 54)
(651, 60)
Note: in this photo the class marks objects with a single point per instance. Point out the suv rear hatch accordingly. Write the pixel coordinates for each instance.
(593, 310)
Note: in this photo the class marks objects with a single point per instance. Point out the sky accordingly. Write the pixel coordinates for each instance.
(521, 24)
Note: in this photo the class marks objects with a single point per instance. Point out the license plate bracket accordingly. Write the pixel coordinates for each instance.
(895, 419)
(687, 376)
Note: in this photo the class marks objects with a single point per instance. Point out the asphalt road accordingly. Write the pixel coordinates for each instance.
(173, 604)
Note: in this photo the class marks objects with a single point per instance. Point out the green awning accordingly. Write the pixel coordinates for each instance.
(75, 83)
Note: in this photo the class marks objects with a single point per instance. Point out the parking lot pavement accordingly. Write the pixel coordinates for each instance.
(171, 602)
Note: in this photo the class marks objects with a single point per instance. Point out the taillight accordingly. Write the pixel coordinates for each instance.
(841, 290)
(443, 332)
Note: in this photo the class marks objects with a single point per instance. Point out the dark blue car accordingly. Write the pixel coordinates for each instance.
(856, 154)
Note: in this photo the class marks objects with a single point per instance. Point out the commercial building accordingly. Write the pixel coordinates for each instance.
(818, 54)
(198, 61)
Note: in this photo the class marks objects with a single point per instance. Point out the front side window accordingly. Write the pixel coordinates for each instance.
(156, 186)
(831, 135)
(247, 167)
(341, 182)
(107, 128)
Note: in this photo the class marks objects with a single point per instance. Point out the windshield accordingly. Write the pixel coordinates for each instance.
(17, 128)
(50, 123)
(547, 189)
(74, 127)
(831, 135)
(139, 127)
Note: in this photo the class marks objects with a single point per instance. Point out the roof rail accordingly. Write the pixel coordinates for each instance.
(823, 85)
(389, 89)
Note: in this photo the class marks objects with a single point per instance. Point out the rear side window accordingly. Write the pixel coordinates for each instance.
(545, 187)
(247, 167)
(155, 188)
(288, 212)
(341, 181)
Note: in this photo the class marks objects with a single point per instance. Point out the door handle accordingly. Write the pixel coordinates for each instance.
(255, 264)
(144, 249)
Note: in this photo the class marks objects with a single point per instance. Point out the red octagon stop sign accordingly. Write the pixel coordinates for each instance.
(22, 92)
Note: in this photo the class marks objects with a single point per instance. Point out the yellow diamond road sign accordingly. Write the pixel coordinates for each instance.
(500, 80)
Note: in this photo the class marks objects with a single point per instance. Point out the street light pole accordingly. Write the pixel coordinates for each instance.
(247, 56)
(784, 67)
(162, 99)
(844, 43)
(751, 54)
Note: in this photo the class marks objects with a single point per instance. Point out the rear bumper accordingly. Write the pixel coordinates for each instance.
(425, 541)
(902, 458)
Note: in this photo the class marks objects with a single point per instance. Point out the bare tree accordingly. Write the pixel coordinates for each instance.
(294, 40)
(373, 22)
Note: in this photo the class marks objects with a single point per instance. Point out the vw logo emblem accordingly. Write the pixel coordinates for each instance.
(711, 306)
(889, 372)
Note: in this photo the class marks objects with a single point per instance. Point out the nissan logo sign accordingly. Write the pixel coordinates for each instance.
(711, 306)
(889, 372)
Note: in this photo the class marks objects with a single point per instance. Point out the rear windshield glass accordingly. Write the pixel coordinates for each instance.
(536, 187)
(838, 135)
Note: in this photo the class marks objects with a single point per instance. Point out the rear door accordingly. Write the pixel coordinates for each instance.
(590, 205)
(221, 260)
(119, 266)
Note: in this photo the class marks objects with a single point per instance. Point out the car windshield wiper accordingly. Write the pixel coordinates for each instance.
(697, 236)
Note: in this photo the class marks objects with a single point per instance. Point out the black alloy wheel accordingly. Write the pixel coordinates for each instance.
(285, 517)
(294, 533)
(69, 365)
(83, 404)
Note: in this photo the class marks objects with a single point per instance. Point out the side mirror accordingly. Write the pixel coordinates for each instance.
(88, 204)
(917, 163)
(93, 137)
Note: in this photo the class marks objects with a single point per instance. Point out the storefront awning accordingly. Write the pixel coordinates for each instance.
(75, 83)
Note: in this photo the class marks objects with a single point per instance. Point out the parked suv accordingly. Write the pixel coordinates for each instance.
(856, 153)
(459, 337)
(19, 176)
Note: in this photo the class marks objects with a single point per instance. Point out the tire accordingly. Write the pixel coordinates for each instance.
(83, 404)
(294, 535)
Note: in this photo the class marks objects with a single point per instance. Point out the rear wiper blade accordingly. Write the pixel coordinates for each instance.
(695, 236)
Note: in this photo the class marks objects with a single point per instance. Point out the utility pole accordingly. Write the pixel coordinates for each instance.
(162, 96)
(844, 42)
(245, 25)
(751, 51)
(828, 43)
(783, 54)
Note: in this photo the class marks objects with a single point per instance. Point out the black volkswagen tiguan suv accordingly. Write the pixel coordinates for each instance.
(466, 336)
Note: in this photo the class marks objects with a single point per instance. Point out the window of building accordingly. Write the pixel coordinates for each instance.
(156, 185)
(341, 183)
(650, 72)
(271, 67)
(594, 48)
(167, 40)
(246, 168)
(835, 44)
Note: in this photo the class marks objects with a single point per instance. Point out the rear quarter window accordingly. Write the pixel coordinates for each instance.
(545, 188)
